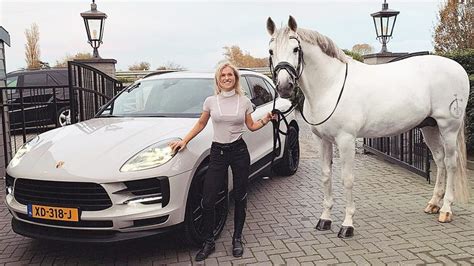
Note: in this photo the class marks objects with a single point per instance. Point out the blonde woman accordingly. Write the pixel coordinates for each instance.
(230, 110)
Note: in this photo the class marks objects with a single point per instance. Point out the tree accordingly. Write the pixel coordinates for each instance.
(32, 49)
(171, 66)
(455, 28)
(363, 48)
(140, 66)
(63, 62)
(354, 55)
(237, 57)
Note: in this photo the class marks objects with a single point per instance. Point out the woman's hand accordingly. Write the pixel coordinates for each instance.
(177, 145)
(269, 116)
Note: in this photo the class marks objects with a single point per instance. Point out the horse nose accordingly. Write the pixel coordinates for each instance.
(291, 84)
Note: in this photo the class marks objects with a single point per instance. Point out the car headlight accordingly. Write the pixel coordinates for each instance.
(23, 150)
(150, 157)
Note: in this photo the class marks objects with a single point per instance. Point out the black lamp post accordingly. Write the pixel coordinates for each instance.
(384, 24)
(94, 21)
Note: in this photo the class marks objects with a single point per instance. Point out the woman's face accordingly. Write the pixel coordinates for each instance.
(227, 79)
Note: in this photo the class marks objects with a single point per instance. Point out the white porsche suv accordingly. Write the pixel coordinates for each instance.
(114, 177)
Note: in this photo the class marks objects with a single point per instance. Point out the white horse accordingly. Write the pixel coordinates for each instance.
(375, 101)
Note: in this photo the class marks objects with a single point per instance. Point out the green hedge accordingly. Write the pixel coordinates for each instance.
(466, 59)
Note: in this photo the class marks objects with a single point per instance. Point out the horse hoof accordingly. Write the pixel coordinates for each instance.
(323, 225)
(432, 209)
(346, 232)
(445, 217)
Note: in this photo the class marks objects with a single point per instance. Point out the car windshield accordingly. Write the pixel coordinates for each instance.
(174, 97)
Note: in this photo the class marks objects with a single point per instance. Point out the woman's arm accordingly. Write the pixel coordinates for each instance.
(256, 125)
(198, 127)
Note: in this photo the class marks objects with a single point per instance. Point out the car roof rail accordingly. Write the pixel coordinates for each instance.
(159, 72)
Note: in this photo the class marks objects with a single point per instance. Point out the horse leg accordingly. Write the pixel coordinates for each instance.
(435, 144)
(449, 135)
(346, 145)
(325, 221)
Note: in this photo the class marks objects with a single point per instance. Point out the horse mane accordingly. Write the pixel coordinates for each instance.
(313, 37)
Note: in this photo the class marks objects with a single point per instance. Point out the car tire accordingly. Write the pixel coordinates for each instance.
(63, 116)
(288, 164)
(193, 225)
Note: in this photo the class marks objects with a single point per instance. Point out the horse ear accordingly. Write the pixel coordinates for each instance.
(292, 23)
(270, 26)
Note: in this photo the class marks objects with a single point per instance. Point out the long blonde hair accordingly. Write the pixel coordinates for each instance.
(220, 67)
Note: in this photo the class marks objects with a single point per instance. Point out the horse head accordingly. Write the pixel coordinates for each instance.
(286, 56)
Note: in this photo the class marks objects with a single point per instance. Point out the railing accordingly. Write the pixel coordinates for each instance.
(90, 90)
(29, 111)
(407, 150)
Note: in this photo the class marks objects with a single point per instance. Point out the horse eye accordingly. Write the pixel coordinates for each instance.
(296, 49)
(270, 51)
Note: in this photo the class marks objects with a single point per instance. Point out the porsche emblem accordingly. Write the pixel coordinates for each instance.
(59, 164)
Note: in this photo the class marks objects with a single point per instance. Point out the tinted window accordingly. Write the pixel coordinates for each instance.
(60, 77)
(259, 91)
(35, 79)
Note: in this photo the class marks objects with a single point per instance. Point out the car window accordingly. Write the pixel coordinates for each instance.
(164, 97)
(60, 77)
(271, 88)
(51, 81)
(245, 87)
(12, 81)
(39, 79)
(260, 91)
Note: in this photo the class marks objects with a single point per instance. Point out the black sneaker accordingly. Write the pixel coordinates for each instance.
(237, 247)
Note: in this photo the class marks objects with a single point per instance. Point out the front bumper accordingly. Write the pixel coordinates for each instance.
(116, 223)
(82, 236)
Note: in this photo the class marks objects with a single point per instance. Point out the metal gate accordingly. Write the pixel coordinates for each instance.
(29, 111)
(407, 150)
(90, 89)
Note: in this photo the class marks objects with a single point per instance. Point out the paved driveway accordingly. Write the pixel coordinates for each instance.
(390, 225)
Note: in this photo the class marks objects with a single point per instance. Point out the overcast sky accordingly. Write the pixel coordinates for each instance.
(193, 33)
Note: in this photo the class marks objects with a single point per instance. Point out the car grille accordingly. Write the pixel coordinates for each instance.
(85, 196)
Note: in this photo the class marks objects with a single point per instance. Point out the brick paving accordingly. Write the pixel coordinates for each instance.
(390, 226)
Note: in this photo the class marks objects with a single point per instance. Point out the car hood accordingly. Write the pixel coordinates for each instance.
(96, 148)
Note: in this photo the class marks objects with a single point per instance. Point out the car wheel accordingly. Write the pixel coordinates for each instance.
(193, 223)
(64, 116)
(291, 156)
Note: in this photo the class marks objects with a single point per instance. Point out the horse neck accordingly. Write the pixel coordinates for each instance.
(322, 74)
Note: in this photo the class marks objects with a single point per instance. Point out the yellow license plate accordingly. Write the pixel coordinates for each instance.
(53, 213)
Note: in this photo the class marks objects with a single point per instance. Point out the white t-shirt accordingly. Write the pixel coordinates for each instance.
(228, 115)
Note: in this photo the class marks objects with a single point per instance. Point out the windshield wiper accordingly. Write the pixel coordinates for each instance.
(131, 88)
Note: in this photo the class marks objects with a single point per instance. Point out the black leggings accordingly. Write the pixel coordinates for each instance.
(237, 156)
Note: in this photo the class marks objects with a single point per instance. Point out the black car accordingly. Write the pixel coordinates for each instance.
(42, 97)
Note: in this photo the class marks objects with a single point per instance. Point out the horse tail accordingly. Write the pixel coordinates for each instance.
(461, 184)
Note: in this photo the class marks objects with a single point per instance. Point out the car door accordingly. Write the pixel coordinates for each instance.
(260, 142)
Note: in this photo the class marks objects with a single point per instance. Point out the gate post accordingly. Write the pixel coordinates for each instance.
(5, 150)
